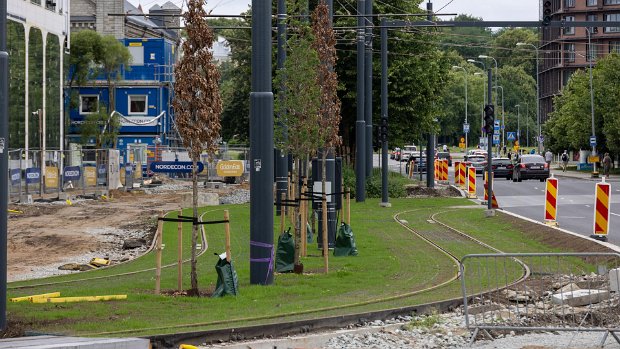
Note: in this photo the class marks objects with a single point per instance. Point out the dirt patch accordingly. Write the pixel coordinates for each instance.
(414, 191)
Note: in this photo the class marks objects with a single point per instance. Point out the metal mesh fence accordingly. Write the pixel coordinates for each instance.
(559, 292)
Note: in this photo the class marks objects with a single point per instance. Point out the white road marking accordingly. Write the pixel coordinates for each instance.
(588, 206)
(573, 217)
(615, 214)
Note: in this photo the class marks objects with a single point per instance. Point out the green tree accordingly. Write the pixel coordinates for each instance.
(197, 103)
(507, 53)
(468, 42)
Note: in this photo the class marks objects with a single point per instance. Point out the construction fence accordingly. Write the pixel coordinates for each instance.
(576, 292)
(37, 173)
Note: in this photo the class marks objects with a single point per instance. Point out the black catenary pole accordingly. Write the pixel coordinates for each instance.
(490, 150)
(430, 145)
(261, 147)
(4, 159)
(281, 158)
(384, 115)
(360, 125)
(368, 88)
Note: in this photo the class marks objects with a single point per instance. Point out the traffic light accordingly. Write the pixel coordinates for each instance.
(384, 129)
(546, 20)
(489, 118)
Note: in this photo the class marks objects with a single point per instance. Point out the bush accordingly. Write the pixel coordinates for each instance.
(396, 183)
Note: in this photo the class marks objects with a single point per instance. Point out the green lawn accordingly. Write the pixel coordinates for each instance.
(391, 262)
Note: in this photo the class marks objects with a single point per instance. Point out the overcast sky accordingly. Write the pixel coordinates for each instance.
(498, 10)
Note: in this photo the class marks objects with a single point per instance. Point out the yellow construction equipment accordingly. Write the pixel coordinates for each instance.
(80, 299)
(99, 262)
(37, 296)
(187, 346)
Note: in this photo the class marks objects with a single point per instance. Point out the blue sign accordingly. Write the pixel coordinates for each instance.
(175, 166)
(593, 141)
(511, 136)
(495, 139)
(465, 128)
(33, 175)
(72, 173)
(16, 176)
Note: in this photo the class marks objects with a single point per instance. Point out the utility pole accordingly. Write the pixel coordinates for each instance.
(430, 145)
(261, 148)
(384, 116)
(360, 125)
(490, 152)
(368, 88)
(281, 156)
(4, 159)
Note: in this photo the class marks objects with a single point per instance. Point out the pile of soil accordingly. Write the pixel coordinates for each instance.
(415, 191)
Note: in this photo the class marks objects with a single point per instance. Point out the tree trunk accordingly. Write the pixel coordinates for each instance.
(194, 275)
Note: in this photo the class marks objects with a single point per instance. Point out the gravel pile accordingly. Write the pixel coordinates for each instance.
(238, 196)
(168, 187)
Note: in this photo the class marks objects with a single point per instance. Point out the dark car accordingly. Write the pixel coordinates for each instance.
(477, 161)
(530, 167)
(420, 164)
(444, 155)
(502, 168)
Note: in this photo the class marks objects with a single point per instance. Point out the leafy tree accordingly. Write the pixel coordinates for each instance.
(114, 56)
(507, 53)
(468, 42)
(329, 113)
(197, 103)
(86, 49)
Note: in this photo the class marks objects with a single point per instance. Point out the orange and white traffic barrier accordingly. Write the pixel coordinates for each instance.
(463, 175)
(602, 209)
(471, 182)
(486, 185)
(436, 165)
(551, 201)
(457, 173)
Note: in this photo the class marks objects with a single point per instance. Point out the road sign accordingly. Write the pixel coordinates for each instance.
(496, 123)
(465, 128)
(496, 139)
(511, 136)
(593, 141)
(462, 140)
(542, 138)
(462, 145)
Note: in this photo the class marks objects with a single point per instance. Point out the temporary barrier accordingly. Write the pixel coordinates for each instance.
(436, 165)
(486, 185)
(494, 203)
(463, 175)
(551, 201)
(471, 182)
(541, 292)
(602, 208)
(444, 170)
(457, 173)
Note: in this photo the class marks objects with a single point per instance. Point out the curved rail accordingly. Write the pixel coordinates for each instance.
(203, 249)
(452, 279)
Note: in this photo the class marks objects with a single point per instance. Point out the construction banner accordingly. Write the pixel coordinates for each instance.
(51, 176)
(90, 176)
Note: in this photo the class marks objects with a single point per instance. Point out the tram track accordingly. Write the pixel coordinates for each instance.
(289, 323)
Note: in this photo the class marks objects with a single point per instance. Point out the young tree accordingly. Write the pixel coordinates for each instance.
(299, 106)
(197, 102)
(329, 113)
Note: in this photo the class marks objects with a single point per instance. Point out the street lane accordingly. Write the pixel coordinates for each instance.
(575, 209)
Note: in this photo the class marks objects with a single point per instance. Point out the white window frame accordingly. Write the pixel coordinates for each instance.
(146, 105)
(82, 112)
(569, 30)
(611, 17)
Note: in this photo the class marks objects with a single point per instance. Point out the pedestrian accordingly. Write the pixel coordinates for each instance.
(606, 164)
(548, 158)
(564, 160)
(509, 155)
(445, 147)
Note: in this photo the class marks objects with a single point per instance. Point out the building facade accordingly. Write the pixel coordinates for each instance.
(37, 39)
(564, 50)
(142, 96)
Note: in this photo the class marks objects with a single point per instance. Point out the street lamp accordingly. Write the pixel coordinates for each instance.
(484, 101)
(495, 61)
(456, 67)
(591, 57)
(503, 119)
(518, 122)
(537, 93)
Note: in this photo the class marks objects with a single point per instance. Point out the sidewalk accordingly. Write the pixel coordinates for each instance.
(585, 175)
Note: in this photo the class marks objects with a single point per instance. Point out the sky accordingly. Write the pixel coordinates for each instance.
(490, 10)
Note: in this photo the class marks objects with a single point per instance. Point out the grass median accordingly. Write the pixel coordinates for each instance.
(391, 262)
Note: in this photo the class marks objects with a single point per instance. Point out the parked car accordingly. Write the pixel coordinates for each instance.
(444, 155)
(475, 153)
(502, 168)
(530, 167)
(477, 161)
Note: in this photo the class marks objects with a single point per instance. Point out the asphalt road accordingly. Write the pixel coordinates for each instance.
(575, 210)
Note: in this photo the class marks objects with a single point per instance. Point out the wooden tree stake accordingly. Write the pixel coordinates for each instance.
(158, 241)
(227, 231)
(348, 206)
(180, 254)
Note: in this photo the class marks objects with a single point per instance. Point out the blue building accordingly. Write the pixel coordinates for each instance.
(142, 97)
